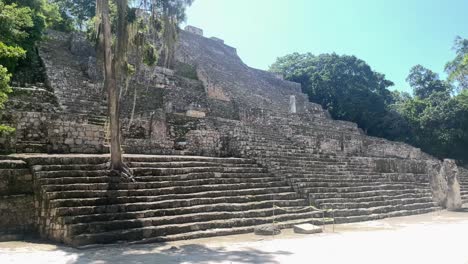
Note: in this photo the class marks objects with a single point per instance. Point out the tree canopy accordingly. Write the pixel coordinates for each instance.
(434, 118)
(457, 69)
(344, 85)
(426, 82)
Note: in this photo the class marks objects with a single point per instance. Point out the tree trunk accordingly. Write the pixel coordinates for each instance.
(110, 84)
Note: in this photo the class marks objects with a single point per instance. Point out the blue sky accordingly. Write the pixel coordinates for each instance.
(391, 36)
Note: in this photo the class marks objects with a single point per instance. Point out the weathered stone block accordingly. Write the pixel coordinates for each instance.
(307, 229)
(267, 230)
(454, 201)
(195, 113)
(194, 30)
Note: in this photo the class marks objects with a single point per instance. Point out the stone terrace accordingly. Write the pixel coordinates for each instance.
(175, 197)
(356, 188)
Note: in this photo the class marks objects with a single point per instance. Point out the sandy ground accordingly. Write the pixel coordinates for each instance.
(440, 237)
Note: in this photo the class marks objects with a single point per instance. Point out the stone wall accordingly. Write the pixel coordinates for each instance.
(220, 70)
(65, 57)
(16, 200)
(194, 30)
(37, 99)
(54, 133)
(154, 89)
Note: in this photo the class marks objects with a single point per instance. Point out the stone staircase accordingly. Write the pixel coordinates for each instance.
(350, 186)
(463, 176)
(76, 92)
(175, 197)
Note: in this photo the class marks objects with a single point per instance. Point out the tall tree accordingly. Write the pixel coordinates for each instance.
(80, 11)
(426, 82)
(115, 62)
(110, 85)
(457, 69)
(438, 120)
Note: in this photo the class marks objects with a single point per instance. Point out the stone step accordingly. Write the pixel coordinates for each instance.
(312, 160)
(31, 146)
(169, 158)
(307, 177)
(182, 164)
(380, 209)
(13, 164)
(389, 201)
(40, 160)
(231, 231)
(327, 178)
(307, 171)
(315, 171)
(157, 185)
(71, 173)
(83, 213)
(310, 157)
(194, 191)
(363, 188)
(249, 177)
(99, 159)
(169, 171)
(147, 171)
(319, 167)
(161, 220)
(370, 198)
(6, 174)
(314, 196)
(159, 232)
(203, 175)
(353, 184)
(361, 218)
(71, 167)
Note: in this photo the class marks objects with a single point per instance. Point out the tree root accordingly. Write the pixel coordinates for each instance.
(125, 173)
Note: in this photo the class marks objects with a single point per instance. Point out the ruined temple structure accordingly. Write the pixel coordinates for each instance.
(216, 147)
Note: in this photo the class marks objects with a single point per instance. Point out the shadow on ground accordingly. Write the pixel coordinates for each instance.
(156, 253)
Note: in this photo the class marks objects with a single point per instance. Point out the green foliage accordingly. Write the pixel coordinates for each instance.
(344, 85)
(9, 55)
(171, 8)
(6, 130)
(438, 120)
(150, 54)
(15, 21)
(457, 69)
(5, 88)
(434, 119)
(439, 123)
(78, 11)
(22, 23)
(426, 82)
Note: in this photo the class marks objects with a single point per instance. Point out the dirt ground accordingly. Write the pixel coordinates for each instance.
(440, 237)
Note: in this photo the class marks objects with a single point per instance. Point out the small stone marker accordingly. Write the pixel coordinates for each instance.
(307, 229)
(195, 113)
(267, 230)
(292, 104)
